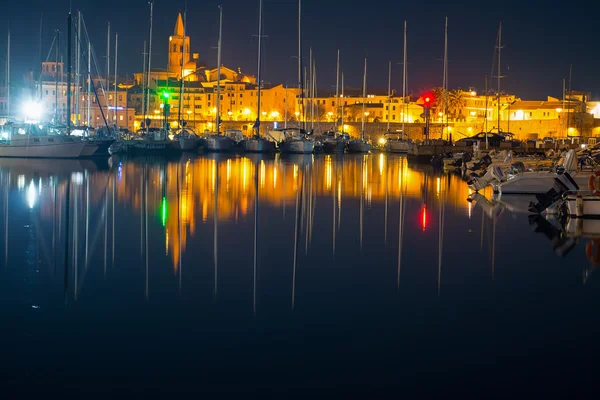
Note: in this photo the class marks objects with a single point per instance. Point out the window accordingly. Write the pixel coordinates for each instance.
(36, 140)
(197, 106)
(233, 102)
(386, 108)
(221, 97)
(209, 96)
(332, 103)
(531, 114)
(120, 97)
(393, 117)
(241, 95)
(120, 118)
(393, 108)
(47, 93)
(51, 139)
(174, 48)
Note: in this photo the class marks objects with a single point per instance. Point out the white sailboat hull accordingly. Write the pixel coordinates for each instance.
(359, 146)
(45, 147)
(217, 143)
(258, 145)
(298, 146)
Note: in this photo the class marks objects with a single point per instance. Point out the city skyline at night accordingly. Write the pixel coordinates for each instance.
(535, 58)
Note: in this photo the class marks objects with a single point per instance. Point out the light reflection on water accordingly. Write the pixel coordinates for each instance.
(360, 240)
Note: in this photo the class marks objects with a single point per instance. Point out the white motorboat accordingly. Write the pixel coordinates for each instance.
(359, 146)
(258, 145)
(23, 142)
(539, 182)
(218, 143)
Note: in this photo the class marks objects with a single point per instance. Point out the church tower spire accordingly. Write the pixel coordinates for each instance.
(176, 48)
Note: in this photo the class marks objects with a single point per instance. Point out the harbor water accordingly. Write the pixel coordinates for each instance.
(283, 276)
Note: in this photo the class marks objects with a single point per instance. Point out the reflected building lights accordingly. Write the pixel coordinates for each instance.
(31, 194)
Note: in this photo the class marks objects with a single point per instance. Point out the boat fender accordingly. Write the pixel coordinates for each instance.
(592, 183)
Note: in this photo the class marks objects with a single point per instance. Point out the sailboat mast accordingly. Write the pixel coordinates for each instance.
(362, 134)
(313, 92)
(56, 70)
(39, 68)
(181, 84)
(219, 70)
(300, 91)
(569, 99)
(445, 79)
(144, 84)
(89, 87)
(310, 88)
(285, 112)
(563, 96)
(389, 105)
(258, 89)
(107, 87)
(69, 34)
(8, 76)
(404, 83)
(116, 113)
(337, 88)
(342, 117)
(486, 114)
(499, 76)
(77, 68)
(151, 2)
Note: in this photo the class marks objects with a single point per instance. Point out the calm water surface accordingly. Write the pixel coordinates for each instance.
(282, 277)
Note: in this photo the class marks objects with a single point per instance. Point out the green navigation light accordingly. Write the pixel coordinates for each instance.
(163, 211)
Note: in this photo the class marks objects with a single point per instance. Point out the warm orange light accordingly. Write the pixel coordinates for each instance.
(423, 217)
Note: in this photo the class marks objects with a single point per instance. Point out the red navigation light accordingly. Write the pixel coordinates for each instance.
(423, 217)
(428, 99)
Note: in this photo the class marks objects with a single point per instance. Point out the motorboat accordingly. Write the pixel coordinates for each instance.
(539, 182)
(28, 141)
(218, 143)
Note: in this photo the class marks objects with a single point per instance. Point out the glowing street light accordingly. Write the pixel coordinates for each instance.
(32, 111)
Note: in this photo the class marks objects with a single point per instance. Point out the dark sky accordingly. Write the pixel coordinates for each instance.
(541, 39)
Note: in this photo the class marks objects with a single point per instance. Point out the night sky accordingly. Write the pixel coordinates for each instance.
(540, 39)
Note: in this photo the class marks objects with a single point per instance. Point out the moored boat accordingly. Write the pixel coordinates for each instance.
(218, 143)
(359, 146)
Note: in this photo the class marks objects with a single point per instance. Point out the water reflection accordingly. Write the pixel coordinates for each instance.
(180, 209)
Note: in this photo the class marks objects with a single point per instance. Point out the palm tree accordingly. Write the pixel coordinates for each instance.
(456, 104)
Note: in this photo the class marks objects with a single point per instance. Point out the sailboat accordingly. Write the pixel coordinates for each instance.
(257, 143)
(335, 142)
(361, 145)
(217, 142)
(395, 143)
(297, 142)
